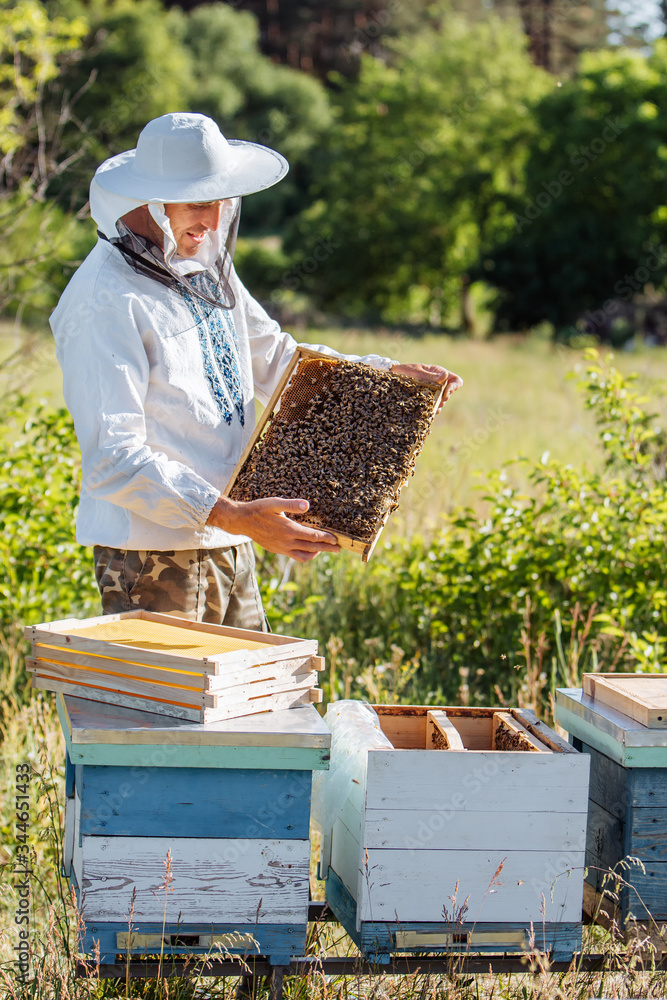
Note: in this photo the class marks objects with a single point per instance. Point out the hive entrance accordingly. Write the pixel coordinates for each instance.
(345, 437)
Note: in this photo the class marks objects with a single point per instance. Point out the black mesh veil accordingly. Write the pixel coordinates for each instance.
(163, 265)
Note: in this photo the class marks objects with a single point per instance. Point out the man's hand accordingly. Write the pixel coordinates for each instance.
(266, 522)
(432, 373)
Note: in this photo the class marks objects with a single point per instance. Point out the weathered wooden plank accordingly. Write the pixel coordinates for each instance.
(590, 734)
(46, 657)
(598, 720)
(186, 802)
(272, 702)
(178, 687)
(649, 893)
(387, 938)
(609, 782)
(642, 697)
(95, 722)
(544, 734)
(649, 936)
(346, 858)
(261, 646)
(509, 734)
(223, 881)
(604, 844)
(414, 779)
(279, 942)
(528, 881)
(102, 679)
(428, 829)
(441, 733)
(647, 787)
(141, 756)
(648, 834)
(405, 725)
(560, 940)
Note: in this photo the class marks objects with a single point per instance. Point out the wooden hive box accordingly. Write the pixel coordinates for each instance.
(174, 666)
(345, 437)
(627, 815)
(453, 830)
(230, 800)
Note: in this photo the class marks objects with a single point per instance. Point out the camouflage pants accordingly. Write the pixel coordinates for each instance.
(208, 585)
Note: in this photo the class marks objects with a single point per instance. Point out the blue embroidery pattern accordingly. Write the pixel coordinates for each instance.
(219, 346)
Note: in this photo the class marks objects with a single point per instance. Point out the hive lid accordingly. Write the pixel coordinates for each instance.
(642, 697)
(91, 722)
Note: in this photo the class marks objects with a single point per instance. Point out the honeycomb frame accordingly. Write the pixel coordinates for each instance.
(295, 404)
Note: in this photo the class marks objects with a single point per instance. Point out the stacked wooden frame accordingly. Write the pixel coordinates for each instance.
(174, 666)
(448, 842)
(184, 838)
(626, 844)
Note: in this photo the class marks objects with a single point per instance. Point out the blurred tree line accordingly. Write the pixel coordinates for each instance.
(453, 165)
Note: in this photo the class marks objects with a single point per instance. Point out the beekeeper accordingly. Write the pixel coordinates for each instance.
(163, 352)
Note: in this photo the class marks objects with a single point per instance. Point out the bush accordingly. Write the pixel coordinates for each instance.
(46, 575)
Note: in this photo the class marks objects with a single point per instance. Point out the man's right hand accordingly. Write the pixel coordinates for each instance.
(267, 523)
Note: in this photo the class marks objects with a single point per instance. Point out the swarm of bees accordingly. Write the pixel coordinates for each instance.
(345, 437)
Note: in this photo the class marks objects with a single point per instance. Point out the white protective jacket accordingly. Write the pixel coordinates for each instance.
(156, 450)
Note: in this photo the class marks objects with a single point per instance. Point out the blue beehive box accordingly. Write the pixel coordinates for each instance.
(627, 815)
(229, 801)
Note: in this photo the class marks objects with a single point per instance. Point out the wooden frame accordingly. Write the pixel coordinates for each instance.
(260, 672)
(410, 727)
(623, 692)
(363, 547)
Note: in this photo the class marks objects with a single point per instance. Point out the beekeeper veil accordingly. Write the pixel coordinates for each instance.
(182, 159)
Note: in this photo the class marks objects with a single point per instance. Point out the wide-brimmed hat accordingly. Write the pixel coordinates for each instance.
(186, 158)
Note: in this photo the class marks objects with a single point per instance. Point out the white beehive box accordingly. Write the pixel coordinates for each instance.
(424, 848)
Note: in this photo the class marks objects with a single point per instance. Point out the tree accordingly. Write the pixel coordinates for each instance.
(411, 184)
(132, 67)
(320, 37)
(589, 227)
(139, 61)
(558, 31)
(38, 243)
(252, 98)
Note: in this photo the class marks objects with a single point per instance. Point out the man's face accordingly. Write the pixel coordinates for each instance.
(191, 222)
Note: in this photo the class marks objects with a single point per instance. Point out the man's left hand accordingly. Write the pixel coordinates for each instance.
(432, 373)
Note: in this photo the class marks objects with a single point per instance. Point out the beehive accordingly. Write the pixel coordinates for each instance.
(627, 812)
(345, 437)
(174, 666)
(229, 800)
(452, 830)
